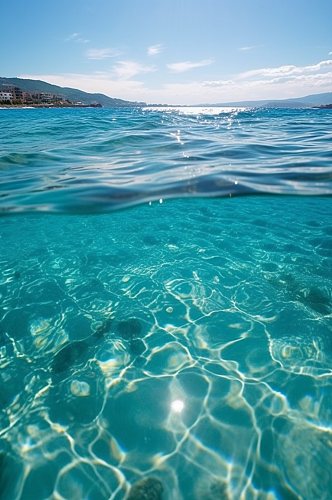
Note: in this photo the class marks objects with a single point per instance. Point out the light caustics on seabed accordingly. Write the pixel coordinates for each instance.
(190, 357)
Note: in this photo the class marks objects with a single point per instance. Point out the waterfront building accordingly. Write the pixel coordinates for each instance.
(6, 96)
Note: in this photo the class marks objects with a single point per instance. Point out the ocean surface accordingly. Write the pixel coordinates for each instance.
(166, 304)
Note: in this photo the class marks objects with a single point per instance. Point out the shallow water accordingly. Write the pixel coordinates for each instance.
(184, 340)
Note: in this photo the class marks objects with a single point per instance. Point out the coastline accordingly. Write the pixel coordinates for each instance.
(21, 106)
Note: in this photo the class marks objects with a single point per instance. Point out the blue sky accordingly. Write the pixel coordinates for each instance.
(172, 51)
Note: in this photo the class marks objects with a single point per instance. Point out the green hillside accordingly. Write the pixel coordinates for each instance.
(73, 95)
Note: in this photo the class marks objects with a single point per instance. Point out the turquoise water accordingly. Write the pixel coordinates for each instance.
(99, 160)
(180, 348)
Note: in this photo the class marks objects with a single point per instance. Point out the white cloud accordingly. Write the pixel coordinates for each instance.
(187, 65)
(75, 37)
(99, 54)
(268, 72)
(286, 70)
(124, 70)
(155, 49)
(250, 47)
(330, 53)
(72, 37)
(268, 83)
(217, 83)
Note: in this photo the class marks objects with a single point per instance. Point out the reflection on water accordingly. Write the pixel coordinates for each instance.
(100, 160)
(177, 350)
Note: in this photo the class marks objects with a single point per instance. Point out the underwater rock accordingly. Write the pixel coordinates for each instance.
(216, 491)
(80, 388)
(73, 353)
(149, 239)
(137, 347)
(310, 296)
(102, 329)
(149, 488)
(317, 300)
(77, 352)
(130, 328)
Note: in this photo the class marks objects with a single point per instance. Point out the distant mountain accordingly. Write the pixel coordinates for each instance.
(73, 95)
(316, 99)
(76, 95)
(297, 102)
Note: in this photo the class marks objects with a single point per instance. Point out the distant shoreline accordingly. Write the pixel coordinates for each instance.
(20, 106)
(97, 105)
(324, 106)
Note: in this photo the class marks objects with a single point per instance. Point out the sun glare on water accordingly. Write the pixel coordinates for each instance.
(177, 405)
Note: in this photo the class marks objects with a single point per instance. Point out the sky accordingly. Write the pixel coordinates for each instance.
(172, 51)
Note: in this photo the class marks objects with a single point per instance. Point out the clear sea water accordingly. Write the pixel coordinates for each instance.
(166, 300)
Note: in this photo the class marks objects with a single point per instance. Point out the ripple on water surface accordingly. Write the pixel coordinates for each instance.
(100, 160)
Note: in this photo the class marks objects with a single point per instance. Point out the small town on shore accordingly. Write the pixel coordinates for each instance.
(12, 96)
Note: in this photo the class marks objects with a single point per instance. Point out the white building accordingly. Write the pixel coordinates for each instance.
(6, 96)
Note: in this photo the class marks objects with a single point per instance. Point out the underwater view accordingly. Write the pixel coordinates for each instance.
(166, 304)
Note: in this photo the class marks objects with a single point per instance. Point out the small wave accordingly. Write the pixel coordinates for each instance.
(70, 161)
